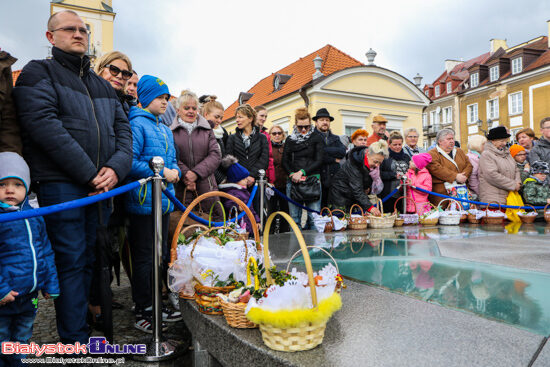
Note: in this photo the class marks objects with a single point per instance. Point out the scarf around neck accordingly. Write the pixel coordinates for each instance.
(189, 127)
(401, 156)
(442, 152)
(246, 139)
(218, 132)
(298, 137)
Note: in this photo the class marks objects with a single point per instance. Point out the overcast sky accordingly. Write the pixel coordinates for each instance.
(225, 47)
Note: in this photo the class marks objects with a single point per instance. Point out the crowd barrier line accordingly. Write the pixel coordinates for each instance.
(178, 204)
(73, 204)
(474, 202)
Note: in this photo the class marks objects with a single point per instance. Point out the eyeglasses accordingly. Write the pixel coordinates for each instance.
(303, 127)
(81, 30)
(276, 133)
(115, 71)
(413, 136)
(187, 108)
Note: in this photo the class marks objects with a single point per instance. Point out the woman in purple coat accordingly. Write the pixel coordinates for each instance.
(198, 152)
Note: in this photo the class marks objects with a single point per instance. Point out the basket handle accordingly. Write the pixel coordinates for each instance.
(338, 211)
(403, 197)
(451, 200)
(358, 251)
(217, 239)
(194, 226)
(252, 261)
(535, 210)
(196, 196)
(318, 248)
(353, 206)
(325, 209)
(231, 210)
(489, 205)
(240, 203)
(223, 211)
(303, 247)
(546, 207)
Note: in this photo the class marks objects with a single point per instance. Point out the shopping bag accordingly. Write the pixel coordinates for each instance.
(514, 198)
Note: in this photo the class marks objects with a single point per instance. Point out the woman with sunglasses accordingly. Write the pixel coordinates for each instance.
(198, 152)
(116, 68)
(277, 135)
(303, 157)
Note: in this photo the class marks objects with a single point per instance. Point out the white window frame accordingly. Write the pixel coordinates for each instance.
(424, 119)
(472, 113)
(494, 73)
(496, 107)
(448, 115)
(517, 65)
(433, 118)
(437, 91)
(515, 107)
(449, 87)
(474, 80)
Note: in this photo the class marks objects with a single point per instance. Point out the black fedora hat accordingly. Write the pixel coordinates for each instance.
(498, 132)
(322, 113)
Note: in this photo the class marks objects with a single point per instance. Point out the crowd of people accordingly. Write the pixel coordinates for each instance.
(83, 131)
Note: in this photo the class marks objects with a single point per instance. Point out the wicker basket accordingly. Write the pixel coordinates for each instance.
(329, 226)
(492, 220)
(234, 312)
(356, 223)
(429, 222)
(472, 217)
(527, 218)
(190, 293)
(182, 221)
(546, 214)
(450, 219)
(343, 218)
(306, 335)
(408, 219)
(382, 221)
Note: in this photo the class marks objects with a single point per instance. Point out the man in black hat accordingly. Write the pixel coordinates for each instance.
(334, 151)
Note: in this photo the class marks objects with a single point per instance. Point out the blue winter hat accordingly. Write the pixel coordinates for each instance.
(12, 165)
(150, 87)
(235, 172)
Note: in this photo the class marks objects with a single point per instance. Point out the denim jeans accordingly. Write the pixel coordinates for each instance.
(16, 322)
(296, 212)
(73, 236)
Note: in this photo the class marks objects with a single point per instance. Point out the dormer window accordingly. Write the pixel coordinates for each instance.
(437, 91)
(474, 80)
(244, 97)
(427, 93)
(449, 87)
(517, 65)
(494, 73)
(279, 80)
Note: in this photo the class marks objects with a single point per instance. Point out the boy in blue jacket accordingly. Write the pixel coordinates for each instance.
(150, 138)
(27, 262)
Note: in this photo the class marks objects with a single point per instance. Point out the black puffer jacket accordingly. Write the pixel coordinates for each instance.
(307, 155)
(253, 158)
(72, 121)
(351, 181)
(334, 149)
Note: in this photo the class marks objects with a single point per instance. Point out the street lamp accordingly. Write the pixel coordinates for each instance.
(480, 126)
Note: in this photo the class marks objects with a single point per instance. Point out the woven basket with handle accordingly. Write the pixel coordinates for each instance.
(382, 221)
(547, 214)
(406, 218)
(343, 218)
(527, 218)
(356, 223)
(329, 226)
(450, 219)
(302, 336)
(492, 220)
(428, 222)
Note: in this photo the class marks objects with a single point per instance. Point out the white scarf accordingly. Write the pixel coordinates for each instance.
(218, 132)
(442, 152)
(189, 127)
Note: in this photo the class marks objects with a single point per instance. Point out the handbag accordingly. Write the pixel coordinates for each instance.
(307, 190)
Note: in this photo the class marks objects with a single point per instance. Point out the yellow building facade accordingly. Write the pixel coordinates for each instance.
(353, 96)
(99, 18)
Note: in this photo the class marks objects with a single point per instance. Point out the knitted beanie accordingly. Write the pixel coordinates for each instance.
(150, 87)
(515, 149)
(421, 160)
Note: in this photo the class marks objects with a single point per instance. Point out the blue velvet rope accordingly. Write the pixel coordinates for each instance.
(178, 204)
(474, 202)
(73, 204)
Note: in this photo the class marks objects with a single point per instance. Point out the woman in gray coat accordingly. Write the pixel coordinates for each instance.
(498, 173)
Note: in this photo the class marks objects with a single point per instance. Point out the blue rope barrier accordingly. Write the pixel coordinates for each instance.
(73, 204)
(178, 204)
(474, 202)
(294, 202)
(386, 198)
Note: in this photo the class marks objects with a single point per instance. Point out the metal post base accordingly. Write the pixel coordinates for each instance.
(160, 351)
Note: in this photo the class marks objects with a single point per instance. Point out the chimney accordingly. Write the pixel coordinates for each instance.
(450, 64)
(317, 63)
(371, 54)
(496, 44)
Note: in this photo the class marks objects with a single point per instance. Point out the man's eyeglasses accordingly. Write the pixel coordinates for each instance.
(303, 127)
(115, 71)
(276, 133)
(83, 31)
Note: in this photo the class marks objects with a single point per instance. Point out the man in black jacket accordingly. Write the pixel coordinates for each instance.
(78, 142)
(334, 151)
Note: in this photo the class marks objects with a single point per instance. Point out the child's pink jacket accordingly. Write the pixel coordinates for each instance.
(422, 179)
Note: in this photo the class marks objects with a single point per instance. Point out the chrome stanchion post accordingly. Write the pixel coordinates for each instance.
(158, 348)
(261, 183)
(405, 195)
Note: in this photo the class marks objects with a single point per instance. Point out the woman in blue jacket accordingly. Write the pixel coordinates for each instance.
(151, 138)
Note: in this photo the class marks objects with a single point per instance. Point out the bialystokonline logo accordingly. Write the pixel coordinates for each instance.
(96, 345)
